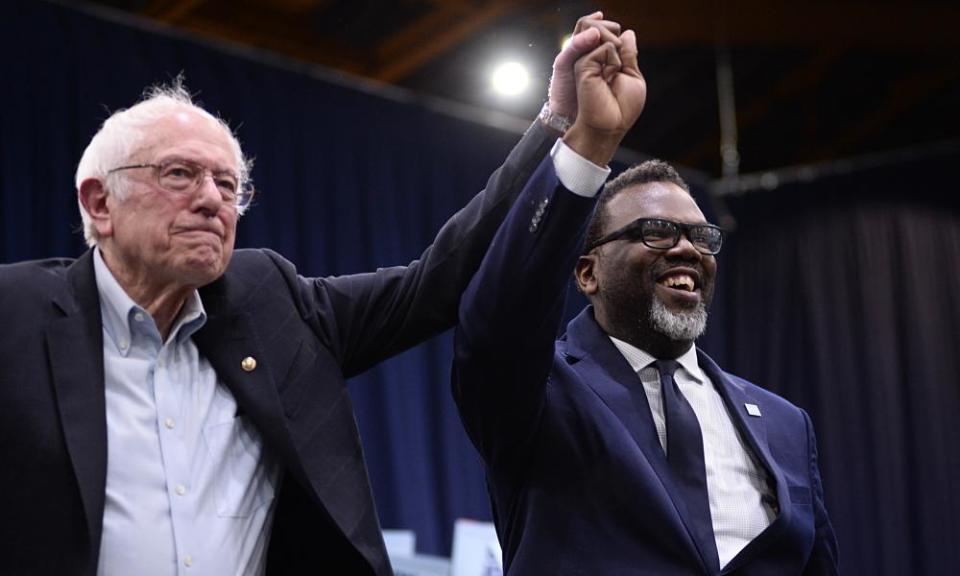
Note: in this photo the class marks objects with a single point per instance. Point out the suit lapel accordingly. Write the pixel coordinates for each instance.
(230, 342)
(609, 374)
(75, 355)
(753, 429)
(599, 364)
(335, 469)
(737, 399)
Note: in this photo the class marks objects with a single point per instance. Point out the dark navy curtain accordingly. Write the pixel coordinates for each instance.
(843, 294)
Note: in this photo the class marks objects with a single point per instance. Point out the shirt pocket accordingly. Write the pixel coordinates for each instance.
(242, 477)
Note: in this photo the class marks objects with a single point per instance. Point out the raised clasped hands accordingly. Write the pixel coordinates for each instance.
(610, 90)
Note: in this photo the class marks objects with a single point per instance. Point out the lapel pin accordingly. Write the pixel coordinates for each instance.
(248, 364)
(752, 409)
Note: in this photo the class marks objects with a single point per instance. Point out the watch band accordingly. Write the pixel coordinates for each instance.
(552, 120)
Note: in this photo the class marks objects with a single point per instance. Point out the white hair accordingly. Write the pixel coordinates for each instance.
(121, 135)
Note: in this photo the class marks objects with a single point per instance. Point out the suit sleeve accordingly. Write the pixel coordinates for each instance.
(510, 316)
(823, 558)
(366, 318)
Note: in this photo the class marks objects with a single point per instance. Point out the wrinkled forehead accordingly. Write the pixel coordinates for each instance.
(652, 200)
(188, 134)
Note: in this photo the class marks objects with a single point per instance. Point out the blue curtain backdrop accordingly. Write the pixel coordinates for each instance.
(841, 294)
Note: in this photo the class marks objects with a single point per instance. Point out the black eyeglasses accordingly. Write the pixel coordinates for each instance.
(184, 177)
(665, 234)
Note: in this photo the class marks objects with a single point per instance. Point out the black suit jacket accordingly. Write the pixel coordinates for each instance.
(307, 335)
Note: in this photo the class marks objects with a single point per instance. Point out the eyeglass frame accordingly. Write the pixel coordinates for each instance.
(681, 229)
(242, 191)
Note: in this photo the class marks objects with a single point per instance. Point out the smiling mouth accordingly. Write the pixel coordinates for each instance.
(681, 282)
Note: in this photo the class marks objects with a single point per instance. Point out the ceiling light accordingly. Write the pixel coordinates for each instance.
(510, 79)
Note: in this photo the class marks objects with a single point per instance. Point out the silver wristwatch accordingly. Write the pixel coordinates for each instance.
(553, 120)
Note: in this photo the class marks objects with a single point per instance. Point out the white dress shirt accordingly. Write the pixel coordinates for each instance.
(576, 173)
(189, 487)
(741, 498)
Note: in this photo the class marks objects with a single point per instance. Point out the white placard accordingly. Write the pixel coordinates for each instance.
(476, 549)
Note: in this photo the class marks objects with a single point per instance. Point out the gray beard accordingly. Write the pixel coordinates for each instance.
(687, 325)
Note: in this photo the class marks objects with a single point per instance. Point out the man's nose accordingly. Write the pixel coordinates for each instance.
(207, 194)
(685, 248)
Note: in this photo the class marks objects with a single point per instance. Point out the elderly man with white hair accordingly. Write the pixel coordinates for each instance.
(174, 406)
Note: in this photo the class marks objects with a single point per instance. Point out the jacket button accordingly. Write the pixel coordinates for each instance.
(248, 364)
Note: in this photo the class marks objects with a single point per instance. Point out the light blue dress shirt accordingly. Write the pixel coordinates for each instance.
(190, 489)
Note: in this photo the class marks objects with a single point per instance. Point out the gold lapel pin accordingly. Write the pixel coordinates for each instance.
(248, 364)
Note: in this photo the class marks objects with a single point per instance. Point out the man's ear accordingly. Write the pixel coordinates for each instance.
(585, 273)
(93, 197)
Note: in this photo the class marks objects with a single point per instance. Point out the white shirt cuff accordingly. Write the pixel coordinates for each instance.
(576, 173)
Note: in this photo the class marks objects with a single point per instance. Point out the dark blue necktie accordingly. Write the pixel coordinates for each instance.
(685, 455)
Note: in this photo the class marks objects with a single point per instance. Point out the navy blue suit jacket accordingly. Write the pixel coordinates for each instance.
(578, 479)
(307, 335)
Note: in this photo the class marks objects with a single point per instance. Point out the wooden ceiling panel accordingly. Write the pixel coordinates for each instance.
(412, 47)
(772, 23)
(797, 96)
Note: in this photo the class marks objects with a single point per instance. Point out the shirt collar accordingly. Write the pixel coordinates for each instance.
(115, 306)
(118, 309)
(640, 359)
(191, 318)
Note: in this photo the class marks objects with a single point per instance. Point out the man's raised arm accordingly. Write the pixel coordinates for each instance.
(510, 313)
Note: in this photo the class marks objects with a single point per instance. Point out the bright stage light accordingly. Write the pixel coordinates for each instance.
(510, 79)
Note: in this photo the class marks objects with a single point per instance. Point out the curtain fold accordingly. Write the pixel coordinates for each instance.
(843, 295)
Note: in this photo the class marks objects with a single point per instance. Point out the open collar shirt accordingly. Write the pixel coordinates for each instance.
(189, 487)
